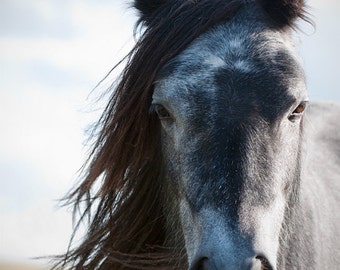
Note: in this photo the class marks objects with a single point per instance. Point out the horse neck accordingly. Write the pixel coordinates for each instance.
(306, 223)
(296, 241)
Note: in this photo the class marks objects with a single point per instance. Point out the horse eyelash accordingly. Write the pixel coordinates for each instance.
(156, 109)
(298, 111)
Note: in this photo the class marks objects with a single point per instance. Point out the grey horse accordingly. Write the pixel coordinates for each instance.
(210, 155)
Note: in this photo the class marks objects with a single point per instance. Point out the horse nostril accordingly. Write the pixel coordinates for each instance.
(205, 264)
(201, 264)
(265, 264)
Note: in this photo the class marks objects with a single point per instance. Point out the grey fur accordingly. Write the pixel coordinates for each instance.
(251, 182)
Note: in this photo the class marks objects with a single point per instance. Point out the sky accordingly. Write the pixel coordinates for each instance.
(52, 55)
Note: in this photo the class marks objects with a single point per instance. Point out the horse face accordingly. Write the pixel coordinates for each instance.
(231, 117)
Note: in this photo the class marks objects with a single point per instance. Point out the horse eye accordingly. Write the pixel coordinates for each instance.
(298, 111)
(161, 112)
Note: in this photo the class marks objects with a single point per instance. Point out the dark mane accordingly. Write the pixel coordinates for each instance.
(126, 227)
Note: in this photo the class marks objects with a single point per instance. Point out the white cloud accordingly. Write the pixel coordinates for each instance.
(42, 99)
(35, 19)
(92, 50)
(37, 231)
(41, 151)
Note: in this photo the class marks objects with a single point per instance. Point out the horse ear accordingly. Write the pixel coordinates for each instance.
(285, 12)
(147, 8)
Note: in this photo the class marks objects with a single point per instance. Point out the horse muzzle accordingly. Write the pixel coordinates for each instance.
(212, 245)
(257, 262)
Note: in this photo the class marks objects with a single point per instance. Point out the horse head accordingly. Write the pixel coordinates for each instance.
(230, 107)
(198, 156)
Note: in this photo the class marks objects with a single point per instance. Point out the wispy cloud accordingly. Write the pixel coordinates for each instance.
(88, 43)
(52, 53)
(36, 19)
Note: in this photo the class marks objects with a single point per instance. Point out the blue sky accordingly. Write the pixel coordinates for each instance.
(52, 54)
(319, 50)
